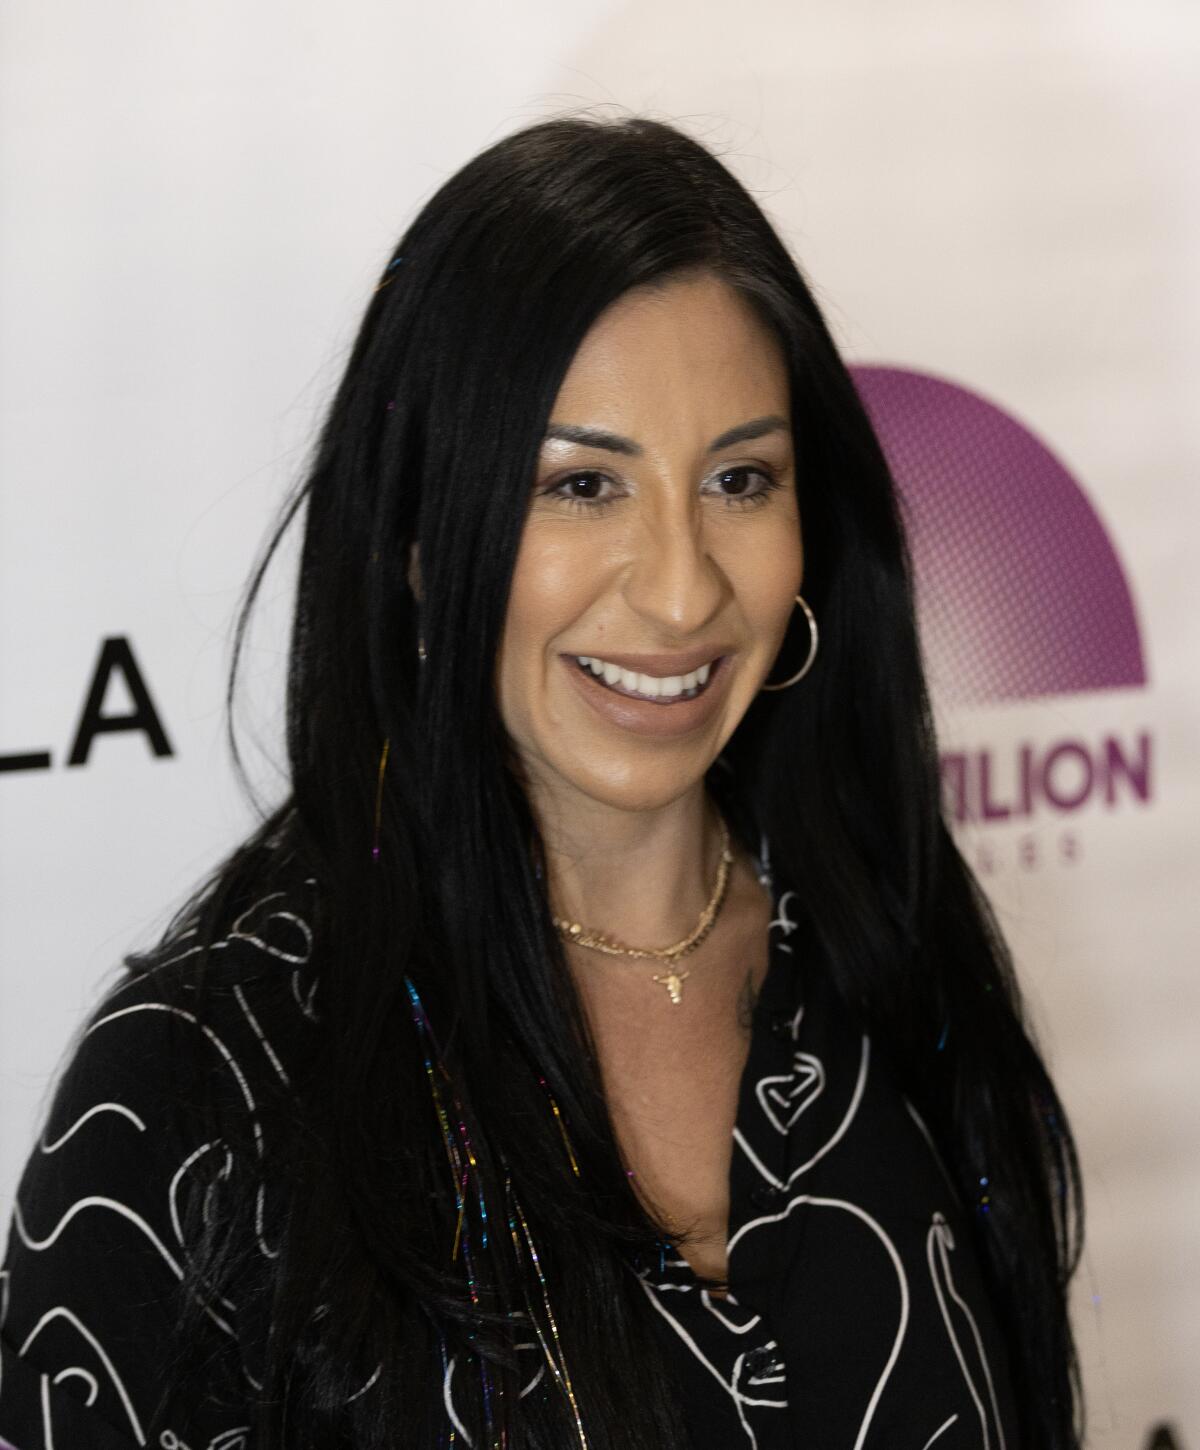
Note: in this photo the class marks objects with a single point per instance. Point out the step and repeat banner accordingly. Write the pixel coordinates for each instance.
(997, 205)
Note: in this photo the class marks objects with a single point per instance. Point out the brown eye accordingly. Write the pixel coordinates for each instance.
(744, 485)
(586, 490)
(584, 486)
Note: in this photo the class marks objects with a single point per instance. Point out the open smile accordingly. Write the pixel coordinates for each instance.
(661, 689)
(659, 706)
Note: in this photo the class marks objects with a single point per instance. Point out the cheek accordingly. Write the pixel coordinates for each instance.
(551, 587)
(768, 578)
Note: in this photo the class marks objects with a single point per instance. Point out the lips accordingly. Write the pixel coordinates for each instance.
(635, 685)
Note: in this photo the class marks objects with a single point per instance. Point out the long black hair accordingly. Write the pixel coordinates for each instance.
(433, 436)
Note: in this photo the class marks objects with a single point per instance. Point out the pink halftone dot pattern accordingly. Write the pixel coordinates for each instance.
(1019, 591)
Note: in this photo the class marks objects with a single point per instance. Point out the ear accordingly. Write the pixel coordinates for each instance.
(414, 569)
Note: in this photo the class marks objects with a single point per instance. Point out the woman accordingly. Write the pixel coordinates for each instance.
(605, 1044)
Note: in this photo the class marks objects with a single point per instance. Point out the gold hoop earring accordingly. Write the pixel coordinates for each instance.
(812, 649)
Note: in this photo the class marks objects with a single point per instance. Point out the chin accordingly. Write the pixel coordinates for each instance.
(636, 790)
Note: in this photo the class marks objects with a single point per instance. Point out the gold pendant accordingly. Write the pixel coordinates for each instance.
(673, 981)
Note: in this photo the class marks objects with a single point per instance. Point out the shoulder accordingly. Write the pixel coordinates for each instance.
(256, 970)
(234, 1006)
(168, 1107)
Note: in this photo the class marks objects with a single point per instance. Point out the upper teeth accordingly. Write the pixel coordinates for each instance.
(645, 684)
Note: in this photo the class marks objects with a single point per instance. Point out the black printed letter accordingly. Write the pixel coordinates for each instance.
(115, 654)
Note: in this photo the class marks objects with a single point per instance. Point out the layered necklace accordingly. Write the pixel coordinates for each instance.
(671, 977)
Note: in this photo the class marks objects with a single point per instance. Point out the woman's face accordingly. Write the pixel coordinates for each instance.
(661, 554)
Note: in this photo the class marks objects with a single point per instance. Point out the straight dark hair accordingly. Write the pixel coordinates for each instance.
(433, 435)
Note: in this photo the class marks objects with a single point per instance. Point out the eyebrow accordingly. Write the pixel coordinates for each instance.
(615, 443)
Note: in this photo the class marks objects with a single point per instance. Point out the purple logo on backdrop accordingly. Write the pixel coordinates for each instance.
(1020, 595)
(1019, 590)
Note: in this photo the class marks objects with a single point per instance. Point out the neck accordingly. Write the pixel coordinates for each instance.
(642, 876)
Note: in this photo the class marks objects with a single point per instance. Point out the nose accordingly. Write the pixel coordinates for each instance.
(674, 582)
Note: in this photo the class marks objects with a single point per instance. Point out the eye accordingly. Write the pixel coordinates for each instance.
(585, 490)
(746, 484)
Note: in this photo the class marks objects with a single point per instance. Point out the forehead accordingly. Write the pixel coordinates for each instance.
(690, 352)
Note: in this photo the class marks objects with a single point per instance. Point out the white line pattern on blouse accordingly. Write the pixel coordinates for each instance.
(49, 1440)
(94, 1200)
(242, 1081)
(939, 1243)
(804, 1085)
(62, 1312)
(85, 1117)
(843, 1127)
(714, 1307)
(233, 1437)
(941, 1429)
(86, 1376)
(261, 1035)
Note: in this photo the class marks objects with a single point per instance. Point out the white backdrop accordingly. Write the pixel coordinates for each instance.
(1002, 194)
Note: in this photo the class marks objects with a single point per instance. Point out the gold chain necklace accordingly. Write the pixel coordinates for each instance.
(672, 979)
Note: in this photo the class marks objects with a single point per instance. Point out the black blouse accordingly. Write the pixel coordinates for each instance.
(856, 1318)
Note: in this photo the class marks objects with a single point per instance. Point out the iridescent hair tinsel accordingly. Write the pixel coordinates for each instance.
(466, 1184)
